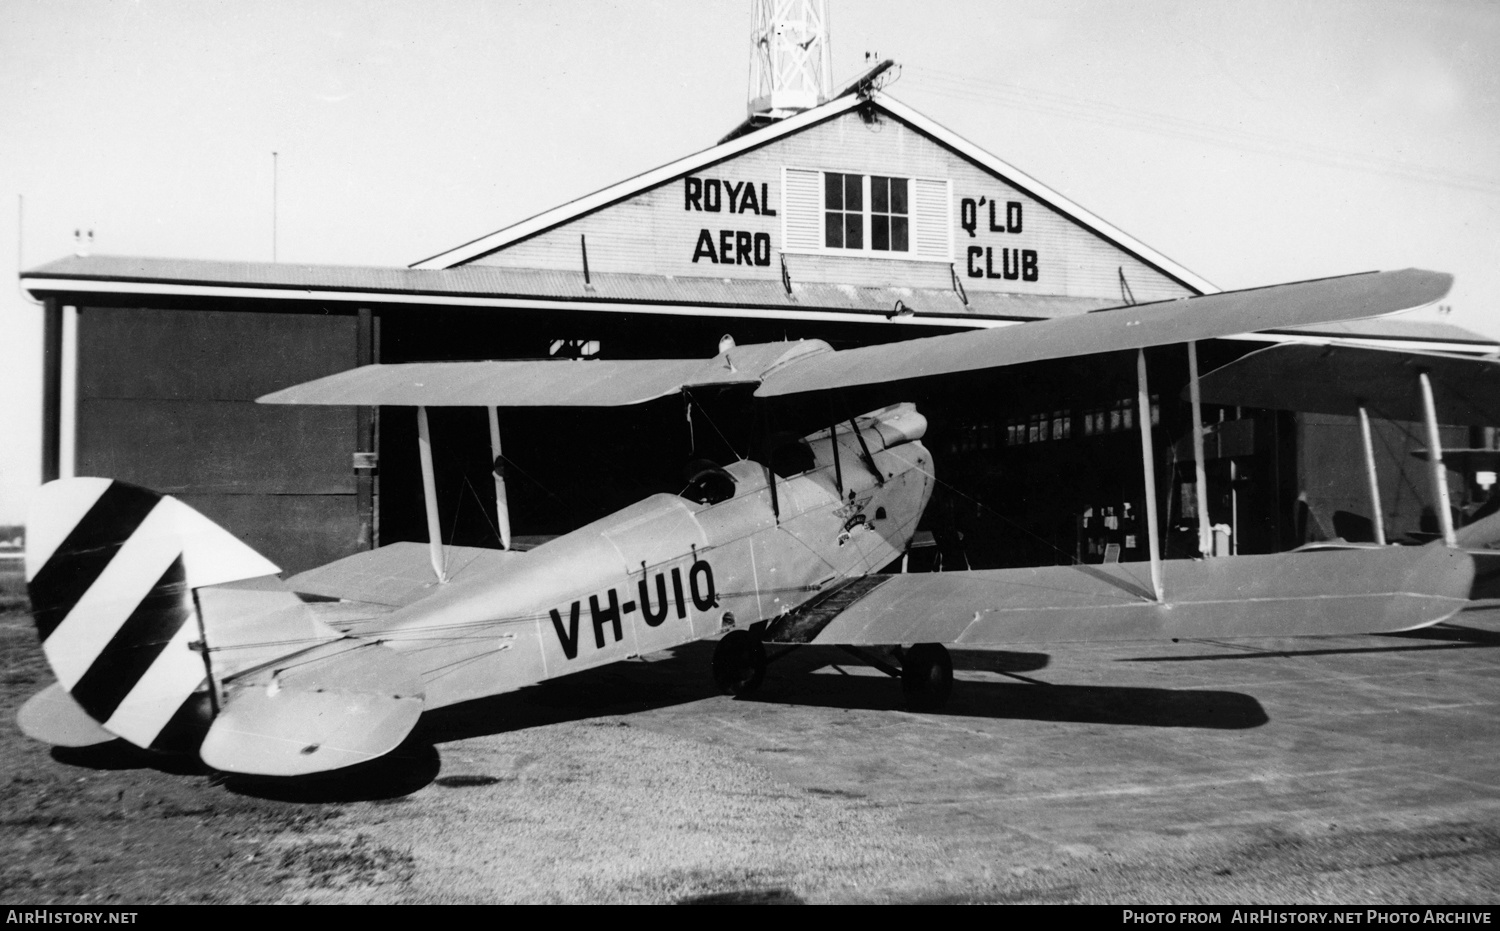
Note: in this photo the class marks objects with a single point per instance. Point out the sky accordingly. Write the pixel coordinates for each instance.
(1253, 143)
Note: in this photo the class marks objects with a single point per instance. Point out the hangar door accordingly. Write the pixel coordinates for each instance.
(166, 400)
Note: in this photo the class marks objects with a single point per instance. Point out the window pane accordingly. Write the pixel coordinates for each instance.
(854, 231)
(898, 195)
(880, 231)
(833, 230)
(880, 196)
(854, 197)
(833, 191)
(898, 234)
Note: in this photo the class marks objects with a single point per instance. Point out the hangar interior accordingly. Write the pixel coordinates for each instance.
(855, 221)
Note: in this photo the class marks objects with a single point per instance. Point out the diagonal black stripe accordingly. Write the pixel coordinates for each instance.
(85, 551)
(136, 645)
(185, 731)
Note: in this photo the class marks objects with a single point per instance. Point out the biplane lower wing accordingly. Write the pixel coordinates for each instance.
(1337, 592)
(397, 574)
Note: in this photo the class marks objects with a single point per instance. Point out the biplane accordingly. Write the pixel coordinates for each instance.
(166, 631)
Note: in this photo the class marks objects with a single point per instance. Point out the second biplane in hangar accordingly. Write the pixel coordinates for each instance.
(166, 631)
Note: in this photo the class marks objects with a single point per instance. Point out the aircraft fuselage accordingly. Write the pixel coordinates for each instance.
(668, 570)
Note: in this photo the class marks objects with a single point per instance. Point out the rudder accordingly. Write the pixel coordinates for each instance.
(111, 570)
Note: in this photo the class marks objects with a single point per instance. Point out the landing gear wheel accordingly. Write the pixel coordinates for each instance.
(926, 676)
(739, 663)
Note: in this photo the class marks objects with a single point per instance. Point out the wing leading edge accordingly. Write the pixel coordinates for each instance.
(542, 383)
(1333, 378)
(1229, 313)
(1332, 593)
(811, 365)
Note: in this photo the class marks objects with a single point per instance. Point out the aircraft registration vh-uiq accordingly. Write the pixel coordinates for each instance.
(166, 631)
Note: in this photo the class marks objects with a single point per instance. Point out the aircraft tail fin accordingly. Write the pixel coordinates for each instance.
(111, 569)
(150, 615)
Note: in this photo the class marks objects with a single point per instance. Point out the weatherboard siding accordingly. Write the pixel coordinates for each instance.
(658, 232)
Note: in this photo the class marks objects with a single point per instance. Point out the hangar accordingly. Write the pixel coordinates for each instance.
(850, 218)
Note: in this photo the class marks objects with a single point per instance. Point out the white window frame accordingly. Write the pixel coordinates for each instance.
(789, 215)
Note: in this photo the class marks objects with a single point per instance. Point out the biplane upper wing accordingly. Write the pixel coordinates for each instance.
(1138, 326)
(1326, 593)
(541, 383)
(811, 365)
(1332, 377)
(1339, 378)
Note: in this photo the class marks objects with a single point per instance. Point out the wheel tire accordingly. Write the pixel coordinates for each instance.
(926, 676)
(739, 663)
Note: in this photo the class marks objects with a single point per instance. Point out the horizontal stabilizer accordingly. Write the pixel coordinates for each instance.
(250, 623)
(52, 716)
(1327, 593)
(332, 706)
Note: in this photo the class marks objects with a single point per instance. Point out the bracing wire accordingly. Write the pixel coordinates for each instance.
(980, 505)
(482, 510)
(709, 417)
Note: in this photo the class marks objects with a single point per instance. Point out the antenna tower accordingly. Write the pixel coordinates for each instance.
(790, 66)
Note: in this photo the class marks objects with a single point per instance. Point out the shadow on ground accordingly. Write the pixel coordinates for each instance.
(410, 767)
(1451, 637)
(806, 676)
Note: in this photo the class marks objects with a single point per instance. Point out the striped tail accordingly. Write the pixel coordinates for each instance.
(111, 570)
(165, 630)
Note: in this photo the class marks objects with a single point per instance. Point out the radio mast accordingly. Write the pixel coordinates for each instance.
(790, 64)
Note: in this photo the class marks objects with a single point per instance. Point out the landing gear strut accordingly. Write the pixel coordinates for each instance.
(926, 676)
(739, 663)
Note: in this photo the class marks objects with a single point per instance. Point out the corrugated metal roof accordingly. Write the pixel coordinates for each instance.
(495, 282)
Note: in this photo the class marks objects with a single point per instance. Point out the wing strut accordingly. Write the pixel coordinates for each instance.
(768, 433)
(866, 457)
(502, 505)
(1375, 509)
(429, 494)
(1435, 457)
(1200, 468)
(1148, 460)
(833, 443)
